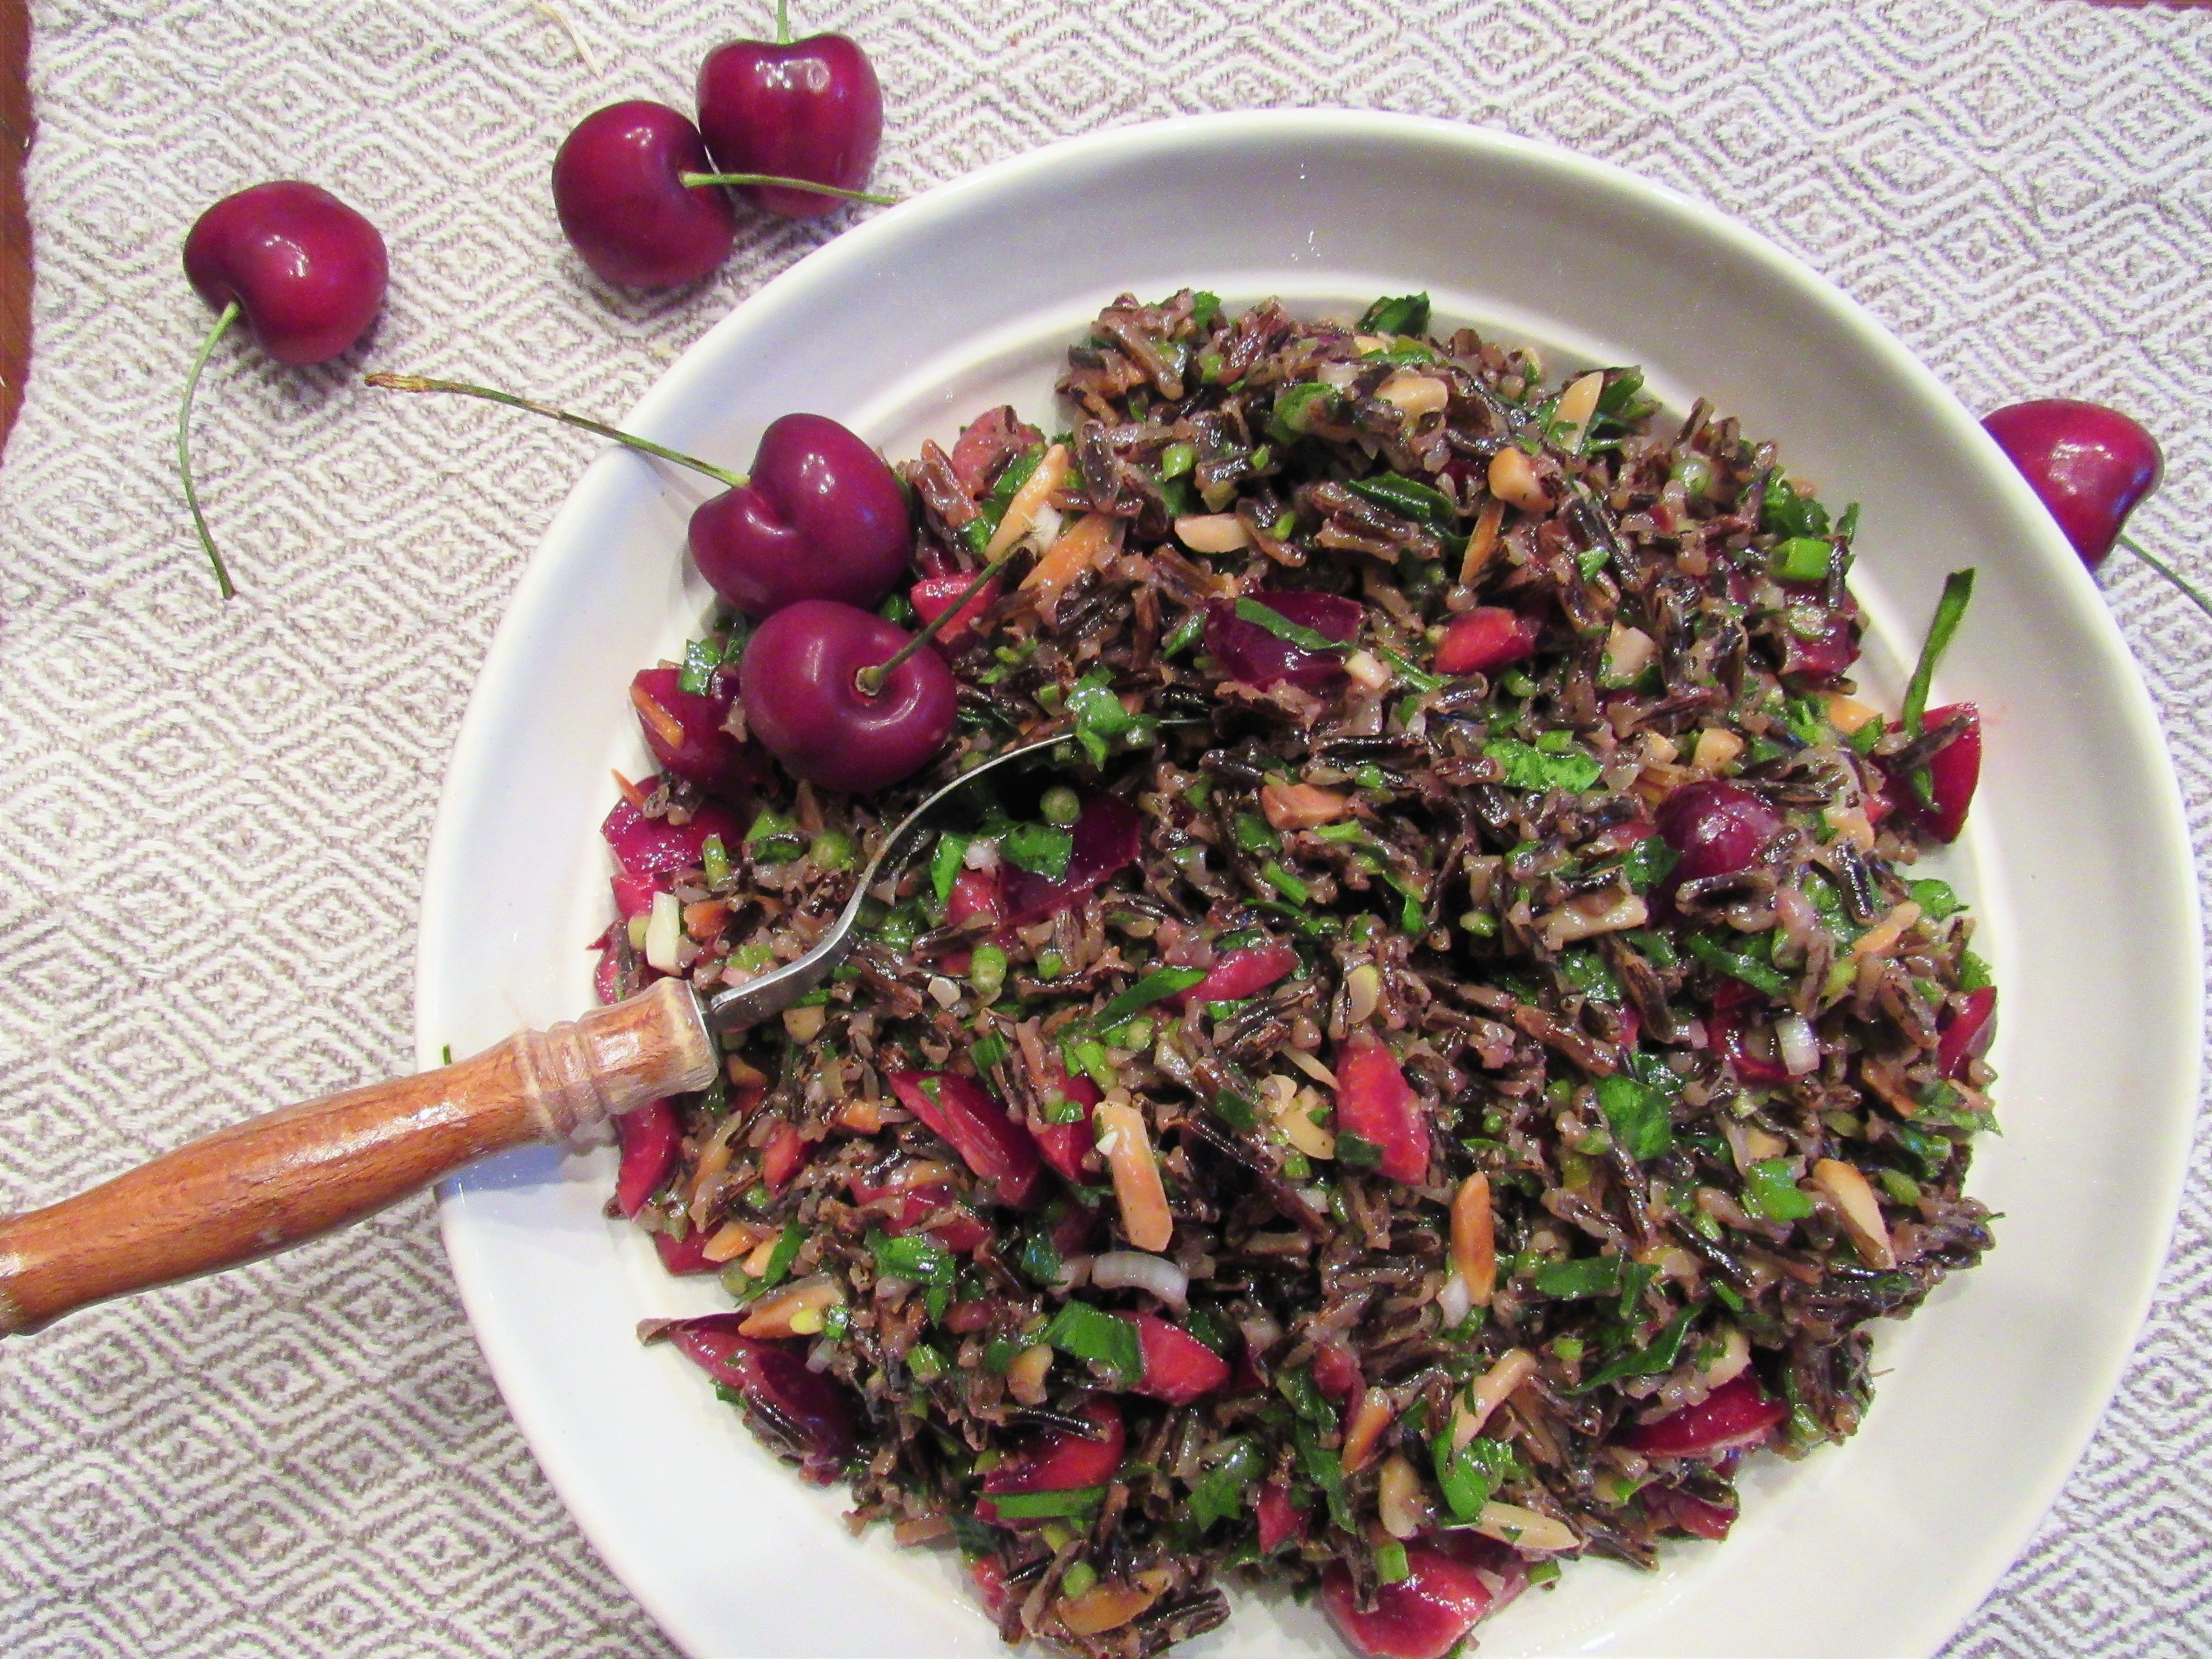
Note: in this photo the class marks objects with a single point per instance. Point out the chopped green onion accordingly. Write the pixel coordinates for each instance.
(1061, 805)
(1218, 1495)
(1738, 965)
(1255, 834)
(1284, 882)
(945, 865)
(1419, 679)
(1086, 1334)
(1184, 634)
(1176, 459)
(831, 850)
(919, 1260)
(781, 1258)
(1637, 1114)
(1770, 1192)
(1390, 1562)
(774, 839)
(1283, 628)
(1406, 314)
(1039, 848)
(1666, 1350)
(1078, 1578)
(987, 972)
(1154, 986)
(1801, 559)
(1594, 1275)
(1098, 714)
(715, 858)
(1958, 589)
(1041, 1505)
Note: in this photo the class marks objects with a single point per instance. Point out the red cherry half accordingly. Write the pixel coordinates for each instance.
(2091, 465)
(799, 682)
(807, 109)
(623, 207)
(306, 271)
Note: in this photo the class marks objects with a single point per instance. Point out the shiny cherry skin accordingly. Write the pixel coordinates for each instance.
(823, 518)
(623, 207)
(1718, 828)
(801, 701)
(307, 271)
(2091, 465)
(803, 109)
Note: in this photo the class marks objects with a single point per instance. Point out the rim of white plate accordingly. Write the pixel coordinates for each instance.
(1996, 1548)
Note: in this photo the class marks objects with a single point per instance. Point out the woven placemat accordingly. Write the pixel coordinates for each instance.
(215, 819)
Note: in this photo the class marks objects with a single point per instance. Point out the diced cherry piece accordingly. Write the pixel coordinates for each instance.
(1108, 837)
(1057, 1462)
(784, 1157)
(1336, 1369)
(686, 732)
(1239, 973)
(1718, 828)
(1424, 1614)
(1967, 1035)
(1814, 659)
(1953, 773)
(1733, 1005)
(975, 896)
(1669, 1507)
(773, 1376)
(1279, 1523)
(934, 595)
(650, 1135)
(988, 442)
(2091, 465)
(1737, 1413)
(683, 1257)
(1178, 1367)
(654, 846)
(1375, 1102)
(634, 894)
(1247, 652)
(990, 1578)
(1064, 1144)
(962, 1232)
(961, 1111)
(1484, 640)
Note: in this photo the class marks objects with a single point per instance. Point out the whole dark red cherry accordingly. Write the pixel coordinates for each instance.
(2091, 465)
(795, 109)
(306, 271)
(623, 207)
(802, 699)
(822, 517)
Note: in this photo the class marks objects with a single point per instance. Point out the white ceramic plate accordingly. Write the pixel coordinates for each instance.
(907, 324)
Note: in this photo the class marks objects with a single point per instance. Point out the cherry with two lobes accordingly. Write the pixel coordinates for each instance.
(806, 544)
(794, 124)
(306, 271)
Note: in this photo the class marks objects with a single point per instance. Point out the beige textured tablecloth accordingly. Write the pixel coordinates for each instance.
(215, 819)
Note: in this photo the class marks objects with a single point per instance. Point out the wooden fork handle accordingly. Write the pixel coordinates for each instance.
(266, 1184)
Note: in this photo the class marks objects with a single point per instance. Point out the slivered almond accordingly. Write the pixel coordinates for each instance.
(1716, 750)
(860, 1117)
(1848, 714)
(1570, 416)
(730, 1239)
(1072, 552)
(1881, 938)
(1376, 1410)
(1109, 1606)
(1513, 480)
(1530, 1533)
(1400, 1504)
(707, 1179)
(780, 1315)
(1026, 1376)
(1138, 1190)
(704, 919)
(1482, 544)
(1475, 1239)
(1588, 914)
(1472, 1408)
(1301, 806)
(1212, 532)
(1313, 1068)
(1414, 395)
(1860, 1210)
(631, 792)
(1028, 500)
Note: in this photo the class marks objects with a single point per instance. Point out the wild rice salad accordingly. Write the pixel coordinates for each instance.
(1446, 1063)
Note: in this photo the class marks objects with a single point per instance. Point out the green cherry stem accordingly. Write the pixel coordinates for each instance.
(783, 22)
(693, 180)
(425, 383)
(2170, 573)
(870, 681)
(230, 313)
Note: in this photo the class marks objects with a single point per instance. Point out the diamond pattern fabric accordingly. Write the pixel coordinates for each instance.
(215, 817)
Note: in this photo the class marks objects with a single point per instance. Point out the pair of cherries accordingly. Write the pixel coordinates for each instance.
(792, 125)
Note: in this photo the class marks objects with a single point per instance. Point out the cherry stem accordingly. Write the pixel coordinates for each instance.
(693, 180)
(783, 22)
(870, 681)
(425, 383)
(184, 445)
(2170, 573)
